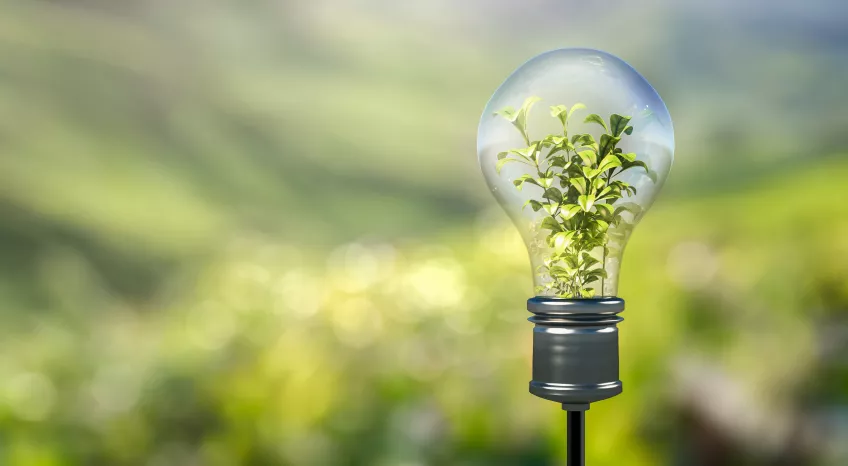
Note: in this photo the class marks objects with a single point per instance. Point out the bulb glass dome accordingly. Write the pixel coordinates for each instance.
(575, 145)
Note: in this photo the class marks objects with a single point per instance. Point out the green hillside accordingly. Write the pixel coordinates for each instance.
(275, 353)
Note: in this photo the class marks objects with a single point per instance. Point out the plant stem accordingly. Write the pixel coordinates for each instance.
(604, 266)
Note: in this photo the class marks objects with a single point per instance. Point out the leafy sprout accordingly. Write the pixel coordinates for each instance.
(574, 177)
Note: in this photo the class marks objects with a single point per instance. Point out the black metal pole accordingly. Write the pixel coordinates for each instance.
(576, 442)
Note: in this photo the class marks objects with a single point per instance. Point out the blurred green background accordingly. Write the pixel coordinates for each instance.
(254, 233)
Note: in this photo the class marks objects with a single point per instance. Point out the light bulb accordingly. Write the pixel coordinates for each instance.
(575, 145)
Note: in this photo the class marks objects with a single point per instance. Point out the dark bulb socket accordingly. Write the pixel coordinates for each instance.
(575, 350)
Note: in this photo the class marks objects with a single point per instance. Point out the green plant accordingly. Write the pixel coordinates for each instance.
(578, 193)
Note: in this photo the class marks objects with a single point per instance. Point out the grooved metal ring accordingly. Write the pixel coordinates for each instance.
(559, 306)
(592, 320)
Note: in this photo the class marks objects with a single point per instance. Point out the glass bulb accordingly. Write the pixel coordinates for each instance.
(575, 145)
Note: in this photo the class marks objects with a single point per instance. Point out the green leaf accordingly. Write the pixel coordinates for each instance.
(586, 201)
(610, 161)
(553, 140)
(603, 192)
(595, 118)
(502, 162)
(562, 240)
(628, 157)
(598, 184)
(530, 153)
(600, 206)
(589, 157)
(631, 207)
(584, 140)
(579, 184)
(551, 208)
(607, 143)
(618, 123)
(550, 223)
(619, 185)
(599, 272)
(519, 182)
(588, 280)
(575, 107)
(560, 112)
(555, 150)
(537, 150)
(556, 270)
(525, 153)
(587, 260)
(528, 102)
(588, 292)
(571, 265)
(536, 205)
(569, 210)
(520, 120)
(557, 110)
(628, 131)
(601, 225)
(553, 194)
(590, 172)
(559, 161)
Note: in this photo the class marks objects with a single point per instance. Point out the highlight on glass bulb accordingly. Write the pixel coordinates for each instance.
(575, 145)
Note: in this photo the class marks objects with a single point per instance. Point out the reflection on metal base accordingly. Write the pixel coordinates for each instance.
(575, 350)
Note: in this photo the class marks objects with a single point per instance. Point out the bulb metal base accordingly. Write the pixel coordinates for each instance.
(575, 350)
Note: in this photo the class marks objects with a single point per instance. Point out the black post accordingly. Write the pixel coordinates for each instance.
(576, 442)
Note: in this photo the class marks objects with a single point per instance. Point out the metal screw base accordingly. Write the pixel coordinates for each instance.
(575, 350)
